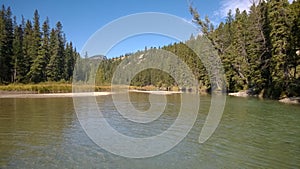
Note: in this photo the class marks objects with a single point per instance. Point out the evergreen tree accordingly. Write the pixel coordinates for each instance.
(236, 53)
(18, 57)
(27, 50)
(70, 61)
(38, 69)
(294, 46)
(53, 65)
(279, 16)
(36, 39)
(295, 36)
(6, 45)
(56, 67)
(258, 47)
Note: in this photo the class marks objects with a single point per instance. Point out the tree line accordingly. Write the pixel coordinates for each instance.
(257, 49)
(33, 53)
(197, 53)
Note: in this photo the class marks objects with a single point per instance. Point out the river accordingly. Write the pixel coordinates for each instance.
(46, 133)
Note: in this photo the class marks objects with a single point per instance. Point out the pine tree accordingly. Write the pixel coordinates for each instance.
(27, 50)
(61, 49)
(18, 57)
(36, 35)
(258, 47)
(52, 67)
(279, 16)
(237, 51)
(228, 55)
(56, 68)
(45, 48)
(6, 45)
(69, 60)
(38, 68)
(295, 36)
(294, 46)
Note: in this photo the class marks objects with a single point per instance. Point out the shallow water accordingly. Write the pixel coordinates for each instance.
(45, 133)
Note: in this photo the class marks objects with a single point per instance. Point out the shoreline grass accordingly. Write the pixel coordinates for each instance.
(38, 88)
(63, 87)
(47, 87)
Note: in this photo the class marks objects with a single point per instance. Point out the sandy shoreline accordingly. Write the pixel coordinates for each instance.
(60, 95)
(156, 92)
(54, 95)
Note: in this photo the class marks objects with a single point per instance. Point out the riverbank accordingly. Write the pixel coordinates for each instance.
(44, 88)
(47, 87)
(53, 95)
(59, 89)
(287, 100)
(64, 95)
(55, 90)
(63, 87)
(156, 92)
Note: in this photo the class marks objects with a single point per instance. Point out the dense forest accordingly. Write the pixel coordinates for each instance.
(33, 53)
(258, 50)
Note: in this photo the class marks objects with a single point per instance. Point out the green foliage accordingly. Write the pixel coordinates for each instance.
(18, 57)
(29, 53)
(258, 49)
(6, 45)
(36, 73)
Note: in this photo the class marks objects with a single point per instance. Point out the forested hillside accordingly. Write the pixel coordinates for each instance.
(169, 67)
(257, 48)
(31, 52)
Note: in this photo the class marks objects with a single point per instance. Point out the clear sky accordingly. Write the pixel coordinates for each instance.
(81, 19)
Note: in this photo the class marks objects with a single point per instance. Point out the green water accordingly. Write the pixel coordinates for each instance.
(45, 133)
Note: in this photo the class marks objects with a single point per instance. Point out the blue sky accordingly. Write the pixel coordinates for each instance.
(81, 19)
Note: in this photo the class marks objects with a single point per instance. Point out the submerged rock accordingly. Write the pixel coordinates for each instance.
(291, 100)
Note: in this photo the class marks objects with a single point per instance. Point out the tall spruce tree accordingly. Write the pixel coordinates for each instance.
(237, 51)
(6, 45)
(18, 57)
(27, 49)
(52, 67)
(38, 68)
(56, 67)
(279, 16)
(69, 61)
(258, 47)
(36, 35)
(294, 47)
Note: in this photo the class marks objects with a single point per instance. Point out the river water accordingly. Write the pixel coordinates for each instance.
(46, 133)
